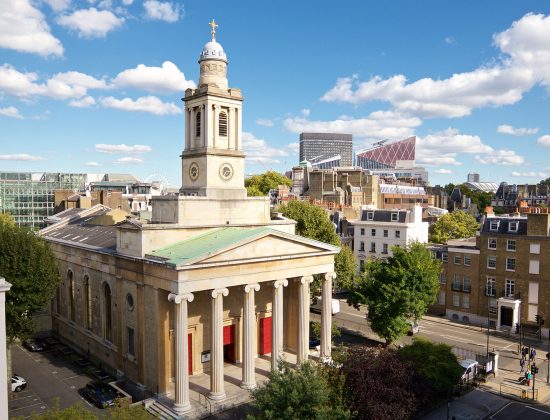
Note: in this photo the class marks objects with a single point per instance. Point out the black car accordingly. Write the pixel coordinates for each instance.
(102, 395)
(34, 344)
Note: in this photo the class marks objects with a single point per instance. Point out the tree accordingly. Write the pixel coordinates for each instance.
(397, 290)
(259, 185)
(454, 225)
(479, 198)
(310, 391)
(435, 362)
(27, 262)
(313, 222)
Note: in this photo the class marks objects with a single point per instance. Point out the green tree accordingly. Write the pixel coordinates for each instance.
(544, 182)
(308, 392)
(454, 225)
(397, 290)
(259, 185)
(435, 362)
(313, 222)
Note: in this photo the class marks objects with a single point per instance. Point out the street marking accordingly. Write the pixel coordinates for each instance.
(536, 409)
(27, 406)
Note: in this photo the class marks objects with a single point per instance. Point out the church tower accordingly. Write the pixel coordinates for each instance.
(213, 159)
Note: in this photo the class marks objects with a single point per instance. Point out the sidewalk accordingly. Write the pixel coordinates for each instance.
(507, 384)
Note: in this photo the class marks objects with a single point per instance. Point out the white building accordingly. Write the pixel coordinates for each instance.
(379, 230)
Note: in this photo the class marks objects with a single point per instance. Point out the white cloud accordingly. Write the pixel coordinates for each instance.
(92, 164)
(450, 40)
(85, 102)
(127, 2)
(508, 129)
(23, 157)
(166, 11)
(11, 112)
(123, 148)
(501, 157)
(91, 23)
(15, 83)
(265, 122)
(165, 79)
(150, 104)
(378, 125)
(443, 171)
(58, 5)
(127, 160)
(305, 112)
(531, 174)
(24, 29)
(525, 62)
(544, 141)
(259, 151)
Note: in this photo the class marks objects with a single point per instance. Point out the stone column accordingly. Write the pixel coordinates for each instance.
(216, 133)
(192, 128)
(249, 336)
(231, 129)
(303, 318)
(4, 287)
(205, 125)
(217, 391)
(238, 130)
(326, 316)
(277, 322)
(187, 128)
(181, 400)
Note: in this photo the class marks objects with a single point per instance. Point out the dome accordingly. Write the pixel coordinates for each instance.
(213, 51)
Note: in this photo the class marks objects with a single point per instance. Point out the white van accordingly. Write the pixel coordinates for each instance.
(318, 307)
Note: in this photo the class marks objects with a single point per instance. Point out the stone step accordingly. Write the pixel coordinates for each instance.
(160, 411)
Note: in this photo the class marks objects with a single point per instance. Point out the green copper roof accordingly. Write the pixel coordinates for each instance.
(213, 241)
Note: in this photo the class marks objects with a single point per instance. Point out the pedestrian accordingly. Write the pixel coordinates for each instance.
(522, 364)
(532, 355)
(529, 378)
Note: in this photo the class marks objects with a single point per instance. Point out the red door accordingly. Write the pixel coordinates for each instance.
(229, 343)
(265, 335)
(190, 353)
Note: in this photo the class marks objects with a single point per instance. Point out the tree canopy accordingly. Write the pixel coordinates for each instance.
(27, 262)
(454, 225)
(259, 185)
(398, 289)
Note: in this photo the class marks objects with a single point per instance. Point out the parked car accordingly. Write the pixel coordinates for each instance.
(470, 368)
(100, 394)
(318, 306)
(413, 328)
(314, 343)
(18, 383)
(34, 344)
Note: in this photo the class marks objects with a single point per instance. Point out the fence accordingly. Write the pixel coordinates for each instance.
(518, 392)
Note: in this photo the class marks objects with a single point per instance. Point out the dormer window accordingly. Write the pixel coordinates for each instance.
(394, 217)
(513, 226)
(370, 215)
(222, 126)
(493, 225)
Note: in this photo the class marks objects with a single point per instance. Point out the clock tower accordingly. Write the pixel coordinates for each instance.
(213, 159)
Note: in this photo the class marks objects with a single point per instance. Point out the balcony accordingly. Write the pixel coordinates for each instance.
(511, 296)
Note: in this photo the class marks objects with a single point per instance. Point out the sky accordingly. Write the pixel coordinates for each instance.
(95, 86)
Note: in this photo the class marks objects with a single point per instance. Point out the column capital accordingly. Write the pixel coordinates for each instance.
(221, 291)
(280, 283)
(330, 276)
(177, 299)
(218, 107)
(250, 287)
(306, 279)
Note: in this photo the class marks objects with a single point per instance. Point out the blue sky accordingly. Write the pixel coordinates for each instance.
(95, 85)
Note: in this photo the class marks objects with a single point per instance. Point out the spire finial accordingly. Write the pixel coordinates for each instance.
(213, 25)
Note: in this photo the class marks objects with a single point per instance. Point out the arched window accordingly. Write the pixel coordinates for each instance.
(222, 124)
(88, 303)
(72, 293)
(198, 124)
(108, 319)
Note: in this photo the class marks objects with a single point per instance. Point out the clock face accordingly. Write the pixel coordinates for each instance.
(226, 171)
(194, 171)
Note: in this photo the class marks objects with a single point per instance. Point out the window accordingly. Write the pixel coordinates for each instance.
(492, 243)
(492, 308)
(513, 226)
(222, 125)
(442, 278)
(456, 300)
(441, 299)
(490, 289)
(493, 225)
(533, 267)
(384, 248)
(511, 245)
(373, 232)
(107, 312)
(466, 301)
(510, 264)
(398, 234)
(457, 283)
(131, 345)
(361, 265)
(510, 288)
(385, 233)
(198, 124)
(444, 257)
(491, 262)
(361, 246)
(370, 215)
(72, 292)
(373, 247)
(362, 231)
(466, 284)
(467, 260)
(534, 248)
(129, 302)
(457, 259)
(394, 217)
(88, 302)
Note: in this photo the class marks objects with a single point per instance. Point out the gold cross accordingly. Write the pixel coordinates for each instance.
(213, 25)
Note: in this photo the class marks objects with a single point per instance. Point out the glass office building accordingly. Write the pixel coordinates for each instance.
(29, 196)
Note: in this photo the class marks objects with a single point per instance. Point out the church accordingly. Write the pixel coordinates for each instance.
(213, 279)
